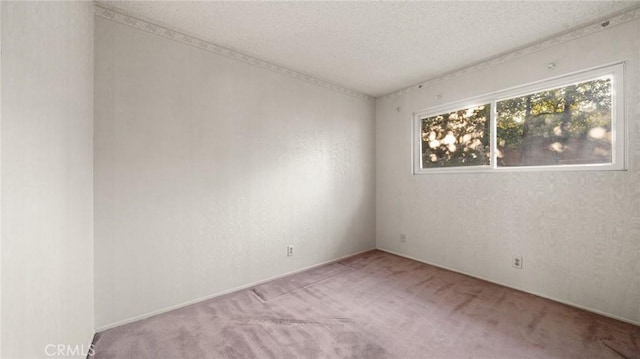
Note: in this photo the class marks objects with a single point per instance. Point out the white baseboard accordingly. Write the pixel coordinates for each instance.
(253, 284)
(219, 294)
(613, 316)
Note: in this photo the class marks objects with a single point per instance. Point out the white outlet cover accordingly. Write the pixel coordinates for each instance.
(517, 262)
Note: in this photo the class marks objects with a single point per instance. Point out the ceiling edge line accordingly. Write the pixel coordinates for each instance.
(596, 26)
(181, 37)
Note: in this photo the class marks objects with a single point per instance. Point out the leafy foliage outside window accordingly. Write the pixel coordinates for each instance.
(565, 125)
(457, 138)
(575, 122)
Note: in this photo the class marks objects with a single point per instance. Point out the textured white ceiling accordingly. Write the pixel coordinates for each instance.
(373, 47)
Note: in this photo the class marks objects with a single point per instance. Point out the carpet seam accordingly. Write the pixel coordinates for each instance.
(350, 270)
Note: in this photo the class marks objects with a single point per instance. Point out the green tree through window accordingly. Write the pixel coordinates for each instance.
(457, 138)
(569, 123)
(565, 125)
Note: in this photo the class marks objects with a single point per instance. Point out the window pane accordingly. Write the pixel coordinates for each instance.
(563, 126)
(458, 138)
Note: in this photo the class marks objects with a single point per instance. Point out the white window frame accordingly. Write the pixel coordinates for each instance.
(618, 140)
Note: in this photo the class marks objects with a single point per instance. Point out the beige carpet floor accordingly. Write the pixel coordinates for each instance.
(374, 305)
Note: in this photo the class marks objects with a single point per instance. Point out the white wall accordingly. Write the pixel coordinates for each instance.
(0, 181)
(578, 232)
(47, 180)
(207, 167)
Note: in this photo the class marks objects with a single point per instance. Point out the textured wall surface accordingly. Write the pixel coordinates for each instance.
(579, 233)
(0, 181)
(207, 167)
(47, 178)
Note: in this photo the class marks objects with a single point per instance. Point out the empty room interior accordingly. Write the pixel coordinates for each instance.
(437, 179)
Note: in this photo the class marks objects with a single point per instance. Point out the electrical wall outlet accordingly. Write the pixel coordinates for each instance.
(290, 250)
(517, 262)
(403, 238)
